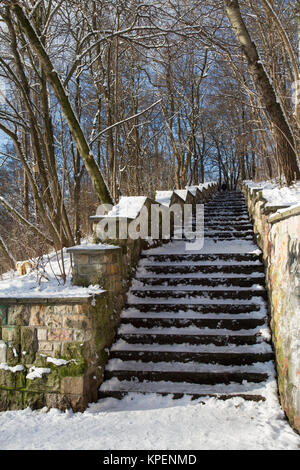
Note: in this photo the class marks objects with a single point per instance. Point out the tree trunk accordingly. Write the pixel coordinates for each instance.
(7, 253)
(284, 138)
(52, 76)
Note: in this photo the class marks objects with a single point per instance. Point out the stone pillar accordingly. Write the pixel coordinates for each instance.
(98, 264)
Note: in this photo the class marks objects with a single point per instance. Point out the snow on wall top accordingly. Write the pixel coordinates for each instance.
(128, 207)
(192, 189)
(205, 185)
(164, 197)
(181, 193)
(275, 195)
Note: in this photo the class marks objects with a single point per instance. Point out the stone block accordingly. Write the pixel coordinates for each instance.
(7, 378)
(45, 346)
(15, 400)
(53, 321)
(3, 315)
(91, 269)
(29, 344)
(78, 403)
(3, 400)
(18, 315)
(11, 334)
(78, 322)
(98, 259)
(42, 334)
(73, 350)
(37, 315)
(56, 349)
(81, 309)
(57, 400)
(114, 269)
(48, 382)
(73, 385)
(62, 309)
(35, 400)
(20, 379)
(60, 334)
(13, 354)
(82, 335)
(81, 259)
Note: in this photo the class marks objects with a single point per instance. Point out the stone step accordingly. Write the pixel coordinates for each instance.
(119, 394)
(185, 356)
(189, 367)
(237, 227)
(214, 323)
(185, 338)
(224, 205)
(226, 210)
(204, 281)
(118, 389)
(225, 220)
(199, 378)
(169, 268)
(249, 234)
(185, 257)
(232, 294)
(204, 308)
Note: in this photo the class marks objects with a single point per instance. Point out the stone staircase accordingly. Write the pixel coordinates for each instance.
(196, 322)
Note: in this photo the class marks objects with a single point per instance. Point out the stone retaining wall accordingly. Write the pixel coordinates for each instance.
(53, 351)
(278, 236)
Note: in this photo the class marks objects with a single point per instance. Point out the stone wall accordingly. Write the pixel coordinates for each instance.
(53, 352)
(278, 236)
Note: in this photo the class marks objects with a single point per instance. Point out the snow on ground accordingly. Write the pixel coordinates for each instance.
(153, 422)
(44, 280)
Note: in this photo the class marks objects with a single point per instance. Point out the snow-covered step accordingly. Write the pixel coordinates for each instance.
(181, 375)
(246, 234)
(190, 314)
(234, 226)
(221, 205)
(186, 355)
(191, 372)
(212, 323)
(249, 391)
(182, 347)
(200, 268)
(226, 214)
(215, 282)
(256, 368)
(214, 276)
(192, 330)
(196, 257)
(138, 285)
(217, 338)
(203, 308)
(201, 294)
(218, 263)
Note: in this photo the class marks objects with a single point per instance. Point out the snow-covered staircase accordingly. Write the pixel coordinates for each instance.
(196, 322)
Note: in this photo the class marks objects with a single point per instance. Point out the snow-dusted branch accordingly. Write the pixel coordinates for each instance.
(124, 120)
(24, 221)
